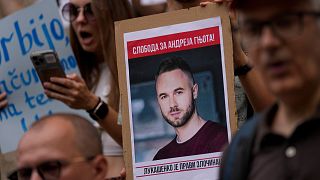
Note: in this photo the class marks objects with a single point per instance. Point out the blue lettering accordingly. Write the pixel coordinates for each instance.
(42, 99)
(24, 125)
(17, 81)
(36, 117)
(46, 34)
(4, 48)
(57, 35)
(35, 75)
(13, 110)
(4, 115)
(26, 81)
(37, 100)
(22, 38)
(64, 64)
(9, 112)
(26, 40)
(72, 61)
(29, 100)
(67, 41)
(5, 87)
(35, 35)
(14, 79)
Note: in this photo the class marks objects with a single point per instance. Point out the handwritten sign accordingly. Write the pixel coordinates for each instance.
(35, 28)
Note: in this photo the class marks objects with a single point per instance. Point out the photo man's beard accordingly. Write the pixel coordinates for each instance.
(184, 119)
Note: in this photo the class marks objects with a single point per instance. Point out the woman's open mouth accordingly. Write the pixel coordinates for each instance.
(86, 37)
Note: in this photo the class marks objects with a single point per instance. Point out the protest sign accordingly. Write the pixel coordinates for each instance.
(37, 27)
(201, 37)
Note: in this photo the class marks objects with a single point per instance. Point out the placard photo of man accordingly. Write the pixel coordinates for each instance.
(177, 92)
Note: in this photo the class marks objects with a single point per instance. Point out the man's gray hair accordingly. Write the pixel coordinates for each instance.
(316, 3)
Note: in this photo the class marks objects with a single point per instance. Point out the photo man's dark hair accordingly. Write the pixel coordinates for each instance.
(174, 63)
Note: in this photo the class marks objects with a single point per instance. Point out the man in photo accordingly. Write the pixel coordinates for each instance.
(177, 92)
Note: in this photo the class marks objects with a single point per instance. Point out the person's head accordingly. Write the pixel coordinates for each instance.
(182, 4)
(176, 91)
(83, 24)
(92, 38)
(282, 39)
(61, 146)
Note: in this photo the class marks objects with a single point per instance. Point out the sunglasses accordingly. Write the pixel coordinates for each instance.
(70, 12)
(49, 170)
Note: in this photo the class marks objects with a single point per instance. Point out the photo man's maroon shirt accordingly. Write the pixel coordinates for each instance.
(210, 138)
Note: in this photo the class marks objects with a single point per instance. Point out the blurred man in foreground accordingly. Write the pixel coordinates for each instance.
(283, 44)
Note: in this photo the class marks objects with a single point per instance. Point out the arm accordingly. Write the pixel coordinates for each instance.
(110, 124)
(74, 92)
(256, 91)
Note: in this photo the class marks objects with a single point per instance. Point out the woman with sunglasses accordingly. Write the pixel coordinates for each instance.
(92, 40)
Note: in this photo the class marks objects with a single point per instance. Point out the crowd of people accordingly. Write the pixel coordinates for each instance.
(277, 67)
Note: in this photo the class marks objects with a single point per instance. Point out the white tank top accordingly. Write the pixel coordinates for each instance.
(110, 146)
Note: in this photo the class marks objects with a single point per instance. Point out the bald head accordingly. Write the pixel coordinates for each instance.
(62, 139)
(81, 132)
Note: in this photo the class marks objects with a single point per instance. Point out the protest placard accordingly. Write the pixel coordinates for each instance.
(158, 141)
(37, 27)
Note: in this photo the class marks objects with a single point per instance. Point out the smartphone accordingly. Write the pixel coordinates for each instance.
(47, 65)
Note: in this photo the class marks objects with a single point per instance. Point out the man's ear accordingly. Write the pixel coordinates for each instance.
(195, 91)
(100, 166)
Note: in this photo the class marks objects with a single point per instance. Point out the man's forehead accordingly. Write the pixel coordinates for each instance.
(172, 79)
(54, 132)
(173, 75)
(260, 11)
(47, 143)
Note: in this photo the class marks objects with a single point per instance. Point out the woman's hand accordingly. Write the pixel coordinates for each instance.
(123, 173)
(72, 91)
(204, 3)
(3, 100)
